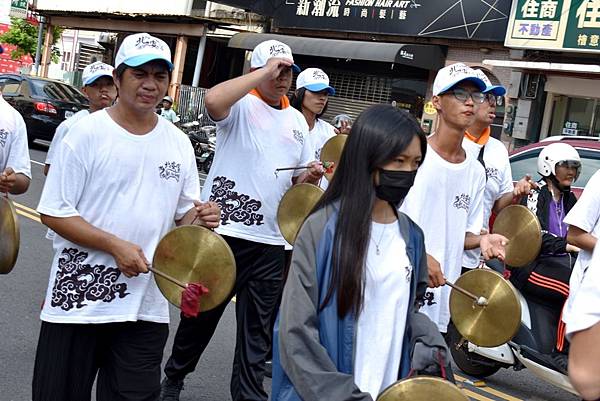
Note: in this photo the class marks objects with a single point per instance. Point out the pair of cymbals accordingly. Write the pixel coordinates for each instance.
(295, 207)
(422, 388)
(332, 152)
(490, 324)
(194, 254)
(522, 229)
(9, 235)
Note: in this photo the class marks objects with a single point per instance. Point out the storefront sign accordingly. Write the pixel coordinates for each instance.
(18, 8)
(569, 25)
(457, 19)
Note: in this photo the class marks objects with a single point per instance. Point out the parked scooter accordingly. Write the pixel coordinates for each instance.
(530, 348)
(204, 143)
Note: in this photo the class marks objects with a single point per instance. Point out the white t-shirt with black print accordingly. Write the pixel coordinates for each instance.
(253, 141)
(131, 186)
(14, 151)
(319, 135)
(382, 319)
(446, 201)
(499, 182)
(59, 135)
(61, 131)
(585, 214)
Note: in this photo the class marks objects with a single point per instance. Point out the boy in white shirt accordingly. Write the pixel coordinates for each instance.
(122, 179)
(257, 132)
(493, 156)
(446, 200)
(583, 329)
(15, 166)
(167, 112)
(100, 89)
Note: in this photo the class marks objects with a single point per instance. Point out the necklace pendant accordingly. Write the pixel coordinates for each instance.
(377, 250)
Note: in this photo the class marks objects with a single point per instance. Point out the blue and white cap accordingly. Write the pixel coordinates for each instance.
(141, 48)
(496, 90)
(454, 74)
(269, 49)
(96, 70)
(315, 80)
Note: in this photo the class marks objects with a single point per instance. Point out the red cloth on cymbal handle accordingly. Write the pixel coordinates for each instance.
(329, 167)
(190, 299)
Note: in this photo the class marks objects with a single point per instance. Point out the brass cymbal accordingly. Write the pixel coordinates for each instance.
(522, 228)
(194, 254)
(332, 152)
(9, 235)
(294, 208)
(422, 388)
(490, 325)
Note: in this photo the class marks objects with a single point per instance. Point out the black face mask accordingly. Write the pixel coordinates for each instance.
(394, 185)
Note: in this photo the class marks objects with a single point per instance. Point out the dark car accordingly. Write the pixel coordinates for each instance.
(524, 160)
(43, 103)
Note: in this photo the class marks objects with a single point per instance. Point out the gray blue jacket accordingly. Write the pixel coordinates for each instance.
(313, 350)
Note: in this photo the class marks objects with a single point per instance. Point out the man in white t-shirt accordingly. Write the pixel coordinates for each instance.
(446, 200)
(493, 156)
(583, 330)
(122, 179)
(167, 111)
(584, 231)
(101, 92)
(257, 132)
(15, 166)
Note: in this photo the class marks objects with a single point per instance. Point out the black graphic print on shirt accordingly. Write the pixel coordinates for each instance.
(235, 207)
(3, 137)
(492, 172)
(76, 283)
(170, 170)
(299, 137)
(462, 201)
(428, 298)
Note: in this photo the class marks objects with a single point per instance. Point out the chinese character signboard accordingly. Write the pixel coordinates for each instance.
(571, 25)
(456, 19)
(18, 8)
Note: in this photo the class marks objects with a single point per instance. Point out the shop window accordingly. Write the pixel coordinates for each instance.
(575, 116)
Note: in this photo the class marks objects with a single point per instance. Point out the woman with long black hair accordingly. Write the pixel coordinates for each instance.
(358, 270)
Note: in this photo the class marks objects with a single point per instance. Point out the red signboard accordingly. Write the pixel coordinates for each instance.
(6, 63)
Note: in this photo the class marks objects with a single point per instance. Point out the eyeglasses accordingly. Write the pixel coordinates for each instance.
(462, 95)
(493, 99)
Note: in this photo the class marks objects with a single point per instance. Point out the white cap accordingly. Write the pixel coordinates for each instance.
(315, 80)
(141, 48)
(269, 49)
(453, 74)
(497, 90)
(96, 70)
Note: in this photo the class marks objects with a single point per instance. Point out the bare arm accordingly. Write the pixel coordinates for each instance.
(581, 239)
(522, 188)
(129, 257)
(584, 362)
(223, 96)
(14, 183)
(46, 169)
(312, 175)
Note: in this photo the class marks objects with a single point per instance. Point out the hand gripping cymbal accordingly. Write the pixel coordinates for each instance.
(422, 388)
(490, 323)
(194, 254)
(9, 235)
(522, 228)
(294, 208)
(332, 152)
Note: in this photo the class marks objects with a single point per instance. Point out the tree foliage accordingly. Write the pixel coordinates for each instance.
(24, 35)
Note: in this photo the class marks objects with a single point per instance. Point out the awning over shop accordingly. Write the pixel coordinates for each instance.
(544, 66)
(429, 57)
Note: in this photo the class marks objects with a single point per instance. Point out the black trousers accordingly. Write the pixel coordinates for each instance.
(125, 356)
(259, 283)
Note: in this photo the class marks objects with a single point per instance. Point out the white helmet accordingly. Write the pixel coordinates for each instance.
(556, 153)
